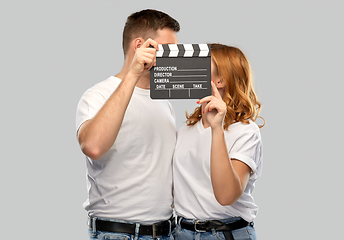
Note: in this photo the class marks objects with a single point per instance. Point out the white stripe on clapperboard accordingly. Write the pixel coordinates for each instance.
(189, 50)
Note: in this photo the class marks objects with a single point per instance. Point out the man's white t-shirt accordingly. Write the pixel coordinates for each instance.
(133, 180)
(193, 193)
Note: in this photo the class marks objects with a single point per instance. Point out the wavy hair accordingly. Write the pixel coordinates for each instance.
(242, 102)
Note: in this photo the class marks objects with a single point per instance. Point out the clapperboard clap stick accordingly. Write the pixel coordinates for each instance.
(182, 71)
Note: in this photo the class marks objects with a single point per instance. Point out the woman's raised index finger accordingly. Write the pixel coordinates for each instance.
(214, 90)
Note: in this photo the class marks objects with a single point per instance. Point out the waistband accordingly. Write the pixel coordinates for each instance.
(157, 229)
(209, 225)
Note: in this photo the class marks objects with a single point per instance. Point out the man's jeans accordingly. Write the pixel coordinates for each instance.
(99, 235)
(246, 233)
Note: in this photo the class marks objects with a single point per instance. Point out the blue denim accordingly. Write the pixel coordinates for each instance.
(246, 233)
(100, 235)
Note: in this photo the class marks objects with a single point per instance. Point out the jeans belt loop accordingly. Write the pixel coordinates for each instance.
(170, 227)
(137, 230)
(94, 220)
(195, 224)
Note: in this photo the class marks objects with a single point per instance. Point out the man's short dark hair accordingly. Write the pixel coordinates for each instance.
(145, 24)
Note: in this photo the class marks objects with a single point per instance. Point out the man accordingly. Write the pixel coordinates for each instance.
(129, 139)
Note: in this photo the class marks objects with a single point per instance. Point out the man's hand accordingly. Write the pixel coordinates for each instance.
(144, 58)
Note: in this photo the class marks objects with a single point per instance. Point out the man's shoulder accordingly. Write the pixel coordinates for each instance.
(111, 82)
(104, 87)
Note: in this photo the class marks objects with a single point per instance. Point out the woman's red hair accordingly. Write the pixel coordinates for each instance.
(241, 100)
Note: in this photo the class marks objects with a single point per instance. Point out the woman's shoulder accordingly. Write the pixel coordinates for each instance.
(188, 129)
(244, 127)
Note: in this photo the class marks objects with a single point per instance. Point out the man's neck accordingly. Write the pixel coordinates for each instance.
(144, 82)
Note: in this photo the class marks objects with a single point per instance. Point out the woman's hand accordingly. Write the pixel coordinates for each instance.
(214, 108)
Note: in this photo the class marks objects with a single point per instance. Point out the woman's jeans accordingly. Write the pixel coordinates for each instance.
(246, 233)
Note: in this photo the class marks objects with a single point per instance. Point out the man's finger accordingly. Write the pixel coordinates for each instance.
(150, 43)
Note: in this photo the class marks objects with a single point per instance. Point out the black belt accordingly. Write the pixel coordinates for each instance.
(209, 225)
(155, 230)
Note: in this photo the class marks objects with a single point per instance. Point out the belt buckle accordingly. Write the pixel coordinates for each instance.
(154, 230)
(89, 223)
(155, 225)
(195, 225)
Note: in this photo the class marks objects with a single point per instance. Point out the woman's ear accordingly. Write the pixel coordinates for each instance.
(220, 83)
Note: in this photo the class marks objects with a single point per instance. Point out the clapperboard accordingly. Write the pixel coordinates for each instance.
(182, 71)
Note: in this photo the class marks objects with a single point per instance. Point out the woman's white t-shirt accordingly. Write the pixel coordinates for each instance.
(193, 193)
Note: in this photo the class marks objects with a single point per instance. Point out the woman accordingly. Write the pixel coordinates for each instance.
(218, 155)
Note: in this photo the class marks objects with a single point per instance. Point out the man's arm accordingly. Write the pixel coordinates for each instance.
(97, 135)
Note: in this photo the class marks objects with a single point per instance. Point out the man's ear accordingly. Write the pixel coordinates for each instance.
(138, 43)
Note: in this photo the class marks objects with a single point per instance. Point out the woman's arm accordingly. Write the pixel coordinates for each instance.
(229, 177)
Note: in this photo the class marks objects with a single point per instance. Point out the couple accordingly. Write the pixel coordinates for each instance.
(130, 140)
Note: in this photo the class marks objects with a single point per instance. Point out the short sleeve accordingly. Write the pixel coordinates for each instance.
(88, 106)
(172, 110)
(248, 149)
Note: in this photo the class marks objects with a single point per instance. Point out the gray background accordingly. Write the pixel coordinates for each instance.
(52, 51)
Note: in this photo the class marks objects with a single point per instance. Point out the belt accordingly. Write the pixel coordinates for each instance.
(209, 225)
(155, 230)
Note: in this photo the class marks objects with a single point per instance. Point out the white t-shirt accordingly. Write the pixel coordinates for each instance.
(193, 193)
(133, 180)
